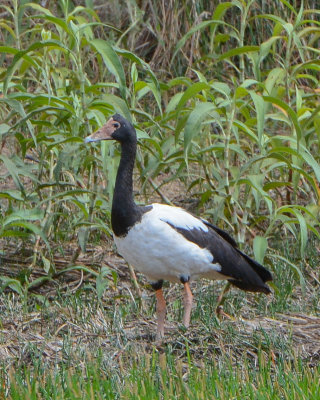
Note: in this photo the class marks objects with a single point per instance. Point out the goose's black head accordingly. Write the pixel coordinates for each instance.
(116, 128)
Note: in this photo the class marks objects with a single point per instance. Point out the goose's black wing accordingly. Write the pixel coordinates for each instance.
(240, 269)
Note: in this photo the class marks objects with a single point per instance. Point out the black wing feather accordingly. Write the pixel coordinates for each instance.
(241, 270)
(263, 272)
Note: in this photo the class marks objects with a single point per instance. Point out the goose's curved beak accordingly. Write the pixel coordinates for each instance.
(104, 133)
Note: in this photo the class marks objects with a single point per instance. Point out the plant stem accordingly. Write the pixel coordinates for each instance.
(16, 23)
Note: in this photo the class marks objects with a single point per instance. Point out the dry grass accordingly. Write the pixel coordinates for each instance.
(48, 331)
(68, 320)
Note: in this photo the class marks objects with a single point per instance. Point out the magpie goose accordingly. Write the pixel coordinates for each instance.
(168, 243)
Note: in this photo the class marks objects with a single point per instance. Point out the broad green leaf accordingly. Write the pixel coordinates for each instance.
(112, 62)
(289, 111)
(201, 77)
(302, 222)
(59, 22)
(33, 228)
(180, 81)
(260, 111)
(40, 8)
(14, 172)
(221, 87)
(249, 82)
(46, 264)
(193, 124)
(81, 206)
(289, 28)
(147, 87)
(310, 160)
(273, 185)
(260, 245)
(119, 105)
(251, 134)
(314, 117)
(4, 128)
(39, 281)
(8, 28)
(83, 238)
(34, 214)
(274, 18)
(13, 284)
(255, 181)
(41, 100)
(309, 30)
(134, 74)
(12, 194)
(237, 51)
(7, 233)
(39, 110)
(64, 195)
(275, 76)
(312, 65)
(142, 134)
(221, 9)
(191, 92)
(131, 56)
(102, 281)
(8, 49)
(291, 8)
(266, 46)
(174, 101)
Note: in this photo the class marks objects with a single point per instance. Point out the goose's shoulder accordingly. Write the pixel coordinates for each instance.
(176, 217)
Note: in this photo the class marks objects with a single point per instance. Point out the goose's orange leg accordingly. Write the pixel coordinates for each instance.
(161, 313)
(187, 301)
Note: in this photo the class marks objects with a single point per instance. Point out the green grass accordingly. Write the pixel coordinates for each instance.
(161, 376)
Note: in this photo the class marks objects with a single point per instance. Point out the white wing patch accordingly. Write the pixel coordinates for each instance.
(157, 250)
(178, 217)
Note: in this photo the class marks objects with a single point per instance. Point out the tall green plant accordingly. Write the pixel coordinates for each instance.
(251, 159)
(241, 131)
(52, 99)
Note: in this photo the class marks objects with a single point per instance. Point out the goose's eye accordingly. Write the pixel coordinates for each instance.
(116, 125)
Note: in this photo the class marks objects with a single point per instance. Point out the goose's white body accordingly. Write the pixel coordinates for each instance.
(157, 250)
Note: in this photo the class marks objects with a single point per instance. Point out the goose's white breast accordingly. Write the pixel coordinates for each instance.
(157, 250)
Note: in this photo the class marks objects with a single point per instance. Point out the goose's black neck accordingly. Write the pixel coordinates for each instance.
(125, 213)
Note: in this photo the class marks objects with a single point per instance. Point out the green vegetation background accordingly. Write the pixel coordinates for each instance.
(225, 100)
